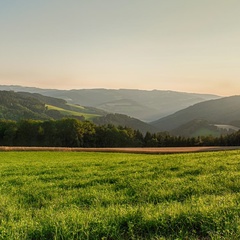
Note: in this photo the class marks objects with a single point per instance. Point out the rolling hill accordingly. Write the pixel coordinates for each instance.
(141, 104)
(24, 105)
(15, 106)
(65, 108)
(224, 111)
(124, 120)
(197, 128)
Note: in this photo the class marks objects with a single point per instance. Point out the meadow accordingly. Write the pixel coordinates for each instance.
(85, 195)
(80, 111)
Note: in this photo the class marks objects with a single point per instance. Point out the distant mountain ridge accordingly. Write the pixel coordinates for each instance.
(141, 104)
(216, 112)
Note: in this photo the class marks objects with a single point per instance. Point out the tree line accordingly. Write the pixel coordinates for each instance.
(75, 133)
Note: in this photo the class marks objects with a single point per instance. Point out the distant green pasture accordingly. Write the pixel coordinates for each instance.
(73, 195)
(205, 132)
(75, 106)
(72, 113)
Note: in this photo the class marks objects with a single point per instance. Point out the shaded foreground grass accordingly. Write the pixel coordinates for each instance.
(70, 195)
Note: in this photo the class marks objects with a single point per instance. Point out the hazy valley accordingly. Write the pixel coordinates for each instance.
(183, 114)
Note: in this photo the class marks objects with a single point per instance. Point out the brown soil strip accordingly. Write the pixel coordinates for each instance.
(165, 150)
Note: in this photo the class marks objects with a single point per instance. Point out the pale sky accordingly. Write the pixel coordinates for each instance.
(180, 45)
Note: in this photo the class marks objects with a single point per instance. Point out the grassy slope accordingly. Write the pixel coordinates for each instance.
(66, 112)
(69, 195)
(205, 132)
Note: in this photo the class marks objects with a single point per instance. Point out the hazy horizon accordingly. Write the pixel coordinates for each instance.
(96, 88)
(185, 46)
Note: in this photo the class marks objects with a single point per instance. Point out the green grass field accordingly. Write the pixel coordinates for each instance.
(70, 195)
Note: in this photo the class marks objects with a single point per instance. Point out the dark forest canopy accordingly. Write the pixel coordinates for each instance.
(70, 132)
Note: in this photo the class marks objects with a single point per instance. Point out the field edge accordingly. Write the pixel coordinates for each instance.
(164, 150)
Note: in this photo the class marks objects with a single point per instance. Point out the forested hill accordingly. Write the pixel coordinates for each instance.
(124, 120)
(219, 111)
(15, 106)
(22, 105)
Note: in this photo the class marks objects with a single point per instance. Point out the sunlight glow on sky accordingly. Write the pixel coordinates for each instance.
(190, 46)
